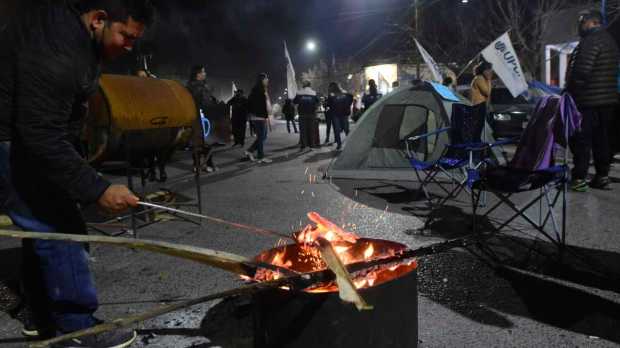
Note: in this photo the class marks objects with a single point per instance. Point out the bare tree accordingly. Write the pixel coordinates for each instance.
(528, 22)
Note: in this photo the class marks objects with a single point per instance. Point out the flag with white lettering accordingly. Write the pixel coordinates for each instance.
(430, 62)
(291, 82)
(506, 65)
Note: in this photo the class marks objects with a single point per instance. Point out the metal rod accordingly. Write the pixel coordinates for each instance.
(219, 221)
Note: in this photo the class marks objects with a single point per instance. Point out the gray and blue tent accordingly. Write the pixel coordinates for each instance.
(375, 149)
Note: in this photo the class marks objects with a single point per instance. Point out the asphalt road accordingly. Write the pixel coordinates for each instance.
(508, 292)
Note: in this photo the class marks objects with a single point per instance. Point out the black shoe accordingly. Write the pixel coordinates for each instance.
(601, 183)
(113, 339)
(163, 177)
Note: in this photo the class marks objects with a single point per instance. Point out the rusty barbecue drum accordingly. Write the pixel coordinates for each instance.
(320, 319)
(135, 117)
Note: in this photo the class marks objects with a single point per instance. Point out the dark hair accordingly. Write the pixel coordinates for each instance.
(195, 70)
(591, 15)
(120, 10)
(482, 67)
(372, 86)
(334, 88)
(259, 87)
(448, 81)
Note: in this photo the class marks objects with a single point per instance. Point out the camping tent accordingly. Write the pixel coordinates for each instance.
(375, 148)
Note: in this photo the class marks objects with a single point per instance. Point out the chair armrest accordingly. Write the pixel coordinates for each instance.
(426, 135)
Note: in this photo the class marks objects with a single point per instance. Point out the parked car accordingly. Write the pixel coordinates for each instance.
(508, 116)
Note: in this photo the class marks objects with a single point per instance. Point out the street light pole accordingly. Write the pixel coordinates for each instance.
(417, 29)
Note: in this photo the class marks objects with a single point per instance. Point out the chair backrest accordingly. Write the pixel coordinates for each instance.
(554, 120)
(466, 125)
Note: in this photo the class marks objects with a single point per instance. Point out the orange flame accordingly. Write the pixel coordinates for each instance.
(324, 229)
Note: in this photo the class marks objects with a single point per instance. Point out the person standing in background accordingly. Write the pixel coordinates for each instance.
(339, 104)
(238, 106)
(372, 96)
(289, 114)
(199, 90)
(259, 109)
(592, 80)
(307, 104)
(481, 89)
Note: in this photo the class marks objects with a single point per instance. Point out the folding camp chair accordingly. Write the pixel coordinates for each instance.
(459, 161)
(533, 169)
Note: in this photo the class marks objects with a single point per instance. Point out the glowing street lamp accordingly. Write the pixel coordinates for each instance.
(311, 46)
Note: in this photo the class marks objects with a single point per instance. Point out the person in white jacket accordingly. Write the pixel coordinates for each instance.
(307, 105)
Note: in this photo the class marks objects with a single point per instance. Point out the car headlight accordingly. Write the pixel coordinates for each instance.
(502, 117)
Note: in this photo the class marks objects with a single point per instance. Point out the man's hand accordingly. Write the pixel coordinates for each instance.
(117, 199)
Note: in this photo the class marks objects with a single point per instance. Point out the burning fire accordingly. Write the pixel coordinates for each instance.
(304, 256)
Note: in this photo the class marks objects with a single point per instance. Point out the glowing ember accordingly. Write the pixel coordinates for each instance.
(305, 257)
(369, 251)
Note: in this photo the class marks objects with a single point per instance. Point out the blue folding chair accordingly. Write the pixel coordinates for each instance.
(461, 159)
(535, 170)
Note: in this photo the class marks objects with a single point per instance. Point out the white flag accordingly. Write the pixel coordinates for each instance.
(430, 62)
(506, 64)
(234, 89)
(291, 82)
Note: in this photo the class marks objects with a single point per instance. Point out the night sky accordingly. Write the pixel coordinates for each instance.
(237, 39)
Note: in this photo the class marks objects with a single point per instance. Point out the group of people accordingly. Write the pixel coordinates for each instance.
(593, 83)
(257, 109)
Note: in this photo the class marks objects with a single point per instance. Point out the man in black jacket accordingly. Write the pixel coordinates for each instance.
(592, 81)
(49, 68)
(238, 106)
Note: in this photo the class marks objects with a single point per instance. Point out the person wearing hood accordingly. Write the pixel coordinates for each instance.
(592, 79)
(481, 90)
(339, 104)
(307, 105)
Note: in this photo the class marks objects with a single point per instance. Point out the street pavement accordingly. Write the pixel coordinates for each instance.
(507, 292)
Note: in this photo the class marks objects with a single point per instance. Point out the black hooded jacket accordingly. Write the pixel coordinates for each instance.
(592, 77)
(45, 81)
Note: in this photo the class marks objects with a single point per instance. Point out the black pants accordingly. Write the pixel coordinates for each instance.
(290, 121)
(238, 129)
(593, 138)
(307, 133)
(329, 121)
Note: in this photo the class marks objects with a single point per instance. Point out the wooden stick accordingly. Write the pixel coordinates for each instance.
(226, 261)
(153, 313)
(346, 288)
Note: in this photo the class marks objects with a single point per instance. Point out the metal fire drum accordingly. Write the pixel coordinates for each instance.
(295, 320)
(133, 117)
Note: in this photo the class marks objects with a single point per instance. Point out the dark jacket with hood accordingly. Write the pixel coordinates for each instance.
(52, 69)
(592, 77)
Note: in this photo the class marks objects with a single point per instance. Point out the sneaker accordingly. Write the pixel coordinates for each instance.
(601, 183)
(210, 169)
(250, 156)
(579, 185)
(113, 339)
(265, 160)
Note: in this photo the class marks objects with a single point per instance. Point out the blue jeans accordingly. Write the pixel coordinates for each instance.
(56, 278)
(261, 136)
